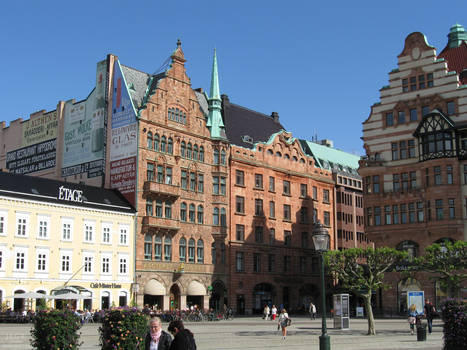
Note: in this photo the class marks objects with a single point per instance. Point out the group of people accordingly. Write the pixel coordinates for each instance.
(158, 339)
(283, 321)
(414, 318)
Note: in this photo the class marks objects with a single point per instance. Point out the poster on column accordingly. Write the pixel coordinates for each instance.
(124, 136)
(83, 140)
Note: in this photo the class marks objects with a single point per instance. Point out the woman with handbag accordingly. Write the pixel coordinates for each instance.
(412, 317)
(284, 321)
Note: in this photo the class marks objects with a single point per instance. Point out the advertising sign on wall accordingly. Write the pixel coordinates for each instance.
(39, 140)
(124, 137)
(417, 298)
(83, 138)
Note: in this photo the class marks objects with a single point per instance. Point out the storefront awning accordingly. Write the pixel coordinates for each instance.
(196, 288)
(154, 287)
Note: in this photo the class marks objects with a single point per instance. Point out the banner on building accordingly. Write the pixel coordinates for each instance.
(39, 129)
(83, 134)
(40, 156)
(123, 147)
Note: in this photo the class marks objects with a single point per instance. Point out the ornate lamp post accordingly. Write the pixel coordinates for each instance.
(321, 241)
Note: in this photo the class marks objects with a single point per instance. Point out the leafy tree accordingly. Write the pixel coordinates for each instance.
(448, 261)
(361, 271)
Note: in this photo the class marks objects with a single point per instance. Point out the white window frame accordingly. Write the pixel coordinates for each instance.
(125, 257)
(125, 235)
(25, 217)
(67, 221)
(2, 257)
(86, 256)
(3, 222)
(45, 219)
(106, 256)
(92, 225)
(69, 254)
(46, 252)
(20, 250)
(106, 226)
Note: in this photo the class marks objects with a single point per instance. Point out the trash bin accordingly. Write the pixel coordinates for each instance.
(421, 332)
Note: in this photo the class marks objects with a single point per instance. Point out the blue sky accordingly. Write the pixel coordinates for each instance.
(319, 64)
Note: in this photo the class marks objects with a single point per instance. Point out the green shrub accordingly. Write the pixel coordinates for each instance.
(55, 329)
(124, 329)
(454, 314)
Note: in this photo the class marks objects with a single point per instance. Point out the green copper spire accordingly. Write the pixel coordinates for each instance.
(456, 36)
(215, 123)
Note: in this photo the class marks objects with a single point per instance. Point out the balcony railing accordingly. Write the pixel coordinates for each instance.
(164, 225)
(165, 190)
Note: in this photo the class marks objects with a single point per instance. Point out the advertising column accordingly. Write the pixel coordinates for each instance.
(123, 145)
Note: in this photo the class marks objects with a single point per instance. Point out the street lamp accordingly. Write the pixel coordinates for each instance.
(321, 241)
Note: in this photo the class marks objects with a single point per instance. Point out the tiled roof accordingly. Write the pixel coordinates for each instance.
(456, 58)
(137, 84)
(243, 124)
(46, 190)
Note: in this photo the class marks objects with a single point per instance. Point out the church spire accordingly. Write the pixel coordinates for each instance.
(456, 36)
(215, 123)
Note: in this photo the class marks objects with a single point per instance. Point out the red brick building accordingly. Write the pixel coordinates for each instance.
(415, 170)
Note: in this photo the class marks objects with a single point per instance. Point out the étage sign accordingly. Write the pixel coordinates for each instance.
(67, 194)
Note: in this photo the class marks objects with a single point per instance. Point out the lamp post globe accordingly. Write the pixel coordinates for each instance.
(321, 242)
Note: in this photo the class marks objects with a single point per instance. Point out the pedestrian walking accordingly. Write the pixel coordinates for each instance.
(157, 339)
(266, 312)
(183, 338)
(273, 312)
(412, 317)
(430, 313)
(312, 311)
(284, 322)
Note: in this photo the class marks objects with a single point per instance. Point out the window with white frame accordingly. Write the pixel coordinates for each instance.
(42, 261)
(43, 224)
(123, 235)
(3, 216)
(106, 233)
(67, 229)
(2, 257)
(123, 265)
(88, 231)
(105, 264)
(21, 256)
(88, 262)
(65, 262)
(22, 221)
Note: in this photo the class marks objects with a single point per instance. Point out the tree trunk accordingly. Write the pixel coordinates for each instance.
(369, 314)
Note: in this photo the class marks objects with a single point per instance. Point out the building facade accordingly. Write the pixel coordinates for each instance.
(57, 237)
(414, 171)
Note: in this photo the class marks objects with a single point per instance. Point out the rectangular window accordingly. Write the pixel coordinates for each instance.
(168, 209)
(223, 187)
(437, 175)
(258, 181)
(88, 264)
(304, 215)
(149, 207)
(427, 177)
(405, 181)
(439, 209)
(43, 223)
(286, 187)
(405, 85)
(387, 215)
(150, 171)
(389, 119)
(425, 110)
(271, 262)
(22, 225)
(287, 212)
(168, 176)
(377, 216)
(327, 218)
(403, 149)
(272, 184)
(429, 79)
(88, 232)
(105, 233)
(193, 182)
(413, 115)
(395, 214)
(287, 238)
(272, 236)
(411, 144)
(240, 204)
(413, 83)
(451, 107)
(20, 261)
(413, 179)
(326, 196)
(395, 182)
(449, 177)
(2, 223)
(412, 213)
(160, 174)
(124, 235)
(66, 229)
(395, 151)
(123, 266)
(105, 265)
(41, 262)
(215, 185)
(375, 183)
(184, 179)
(200, 183)
(303, 190)
(259, 234)
(259, 207)
(256, 262)
(315, 193)
(452, 211)
(420, 216)
(66, 263)
(239, 178)
(159, 208)
(403, 213)
(272, 209)
(401, 117)
(239, 262)
(240, 232)
(421, 82)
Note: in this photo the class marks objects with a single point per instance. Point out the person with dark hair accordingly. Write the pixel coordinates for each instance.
(430, 313)
(183, 338)
(157, 339)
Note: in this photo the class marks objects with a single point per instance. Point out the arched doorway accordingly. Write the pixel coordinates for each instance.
(154, 292)
(218, 296)
(122, 298)
(263, 293)
(105, 300)
(195, 294)
(405, 285)
(308, 293)
(41, 302)
(174, 297)
(19, 304)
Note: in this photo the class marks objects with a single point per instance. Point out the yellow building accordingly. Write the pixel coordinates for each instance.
(73, 243)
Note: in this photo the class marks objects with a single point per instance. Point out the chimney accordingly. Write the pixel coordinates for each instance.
(225, 99)
(200, 90)
(275, 116)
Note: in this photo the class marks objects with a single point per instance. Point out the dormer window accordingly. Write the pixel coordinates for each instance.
(247, 139)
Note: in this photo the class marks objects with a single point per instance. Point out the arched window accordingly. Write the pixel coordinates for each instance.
(183, 149)
(200, 251)
(147, 246)
(156, 142)
(215, 217)
(158, 248)
(188, 153)
(184, 118)
(286, 156)
(195, 152)
(302, 161)
(295, 159)
(177, 114)
(167, 249)
(278, 154)
(200, 214)
(163, 143)
(192, 213)
(149, 144)
(182, 249)
(223, 157)
(216, 156)
(191, 250)
(201, 154)
(170, 146)
(213, 253)
(410, 247)
(223, 218)
(183, 211)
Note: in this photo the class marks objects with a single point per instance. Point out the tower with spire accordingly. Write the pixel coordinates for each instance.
(215, 122)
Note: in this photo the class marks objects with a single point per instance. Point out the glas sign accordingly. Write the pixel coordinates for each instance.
(68, 194)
